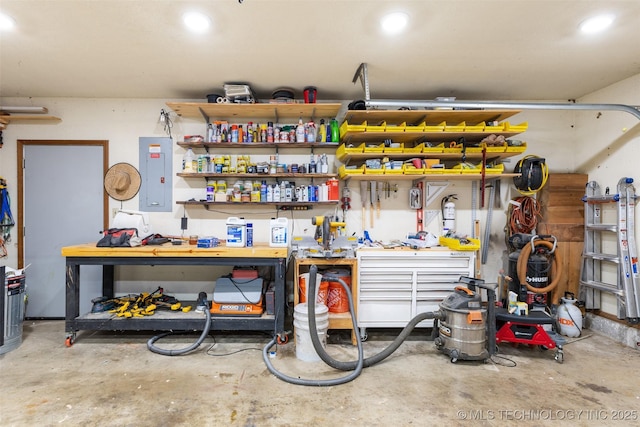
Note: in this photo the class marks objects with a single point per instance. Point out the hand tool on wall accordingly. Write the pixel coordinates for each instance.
(378, 190)
(372, 201)
(363, 198)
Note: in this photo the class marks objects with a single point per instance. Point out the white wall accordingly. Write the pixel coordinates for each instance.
(608, 149)
(551, 134)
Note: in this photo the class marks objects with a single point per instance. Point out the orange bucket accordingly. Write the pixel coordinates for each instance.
(338, 301)
(323, 290)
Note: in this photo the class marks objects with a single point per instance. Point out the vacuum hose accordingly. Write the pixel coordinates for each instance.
(202, 303)
(354, 366)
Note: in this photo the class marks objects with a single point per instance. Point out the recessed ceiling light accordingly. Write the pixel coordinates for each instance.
(6, 22)
(196, 22)
(596, 24)
(395, 22)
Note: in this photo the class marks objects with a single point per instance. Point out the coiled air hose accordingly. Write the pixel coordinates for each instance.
(355, 366)
(202, 302)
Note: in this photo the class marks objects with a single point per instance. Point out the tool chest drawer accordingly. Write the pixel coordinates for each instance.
(396, 285)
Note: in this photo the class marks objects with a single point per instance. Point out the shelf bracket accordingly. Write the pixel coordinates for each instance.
(205, 116)
(362, 74)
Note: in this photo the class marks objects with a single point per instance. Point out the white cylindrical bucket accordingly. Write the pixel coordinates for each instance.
(304, 346)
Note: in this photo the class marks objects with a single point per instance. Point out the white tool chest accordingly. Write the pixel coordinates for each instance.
(395, 285)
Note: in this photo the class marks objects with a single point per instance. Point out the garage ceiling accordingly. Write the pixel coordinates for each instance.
(476, 49)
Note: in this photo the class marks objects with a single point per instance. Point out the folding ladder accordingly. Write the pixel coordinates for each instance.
(625, 260)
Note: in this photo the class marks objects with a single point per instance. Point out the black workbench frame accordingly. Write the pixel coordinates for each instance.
(187, 321)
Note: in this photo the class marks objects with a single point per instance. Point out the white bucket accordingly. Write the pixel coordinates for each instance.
(304, 346)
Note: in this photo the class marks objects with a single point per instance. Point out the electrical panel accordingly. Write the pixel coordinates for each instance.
(155, 170)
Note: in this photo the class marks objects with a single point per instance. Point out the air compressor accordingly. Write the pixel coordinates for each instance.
(532, 267)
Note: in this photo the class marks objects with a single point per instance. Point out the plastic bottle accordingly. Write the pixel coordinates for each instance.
(328, 133)
(242, 136)
(335, 130)
(263, 191)
(311, 131)
(249, 234)
(188, 160)
(269, 193)
(322, 132)
(276, 193)
(324, 163)
(300, 135)
(312, 164)
(283, 191)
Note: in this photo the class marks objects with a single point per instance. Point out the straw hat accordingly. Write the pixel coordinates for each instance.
(122, 181)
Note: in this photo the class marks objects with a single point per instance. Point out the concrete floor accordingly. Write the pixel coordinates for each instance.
(111, 379)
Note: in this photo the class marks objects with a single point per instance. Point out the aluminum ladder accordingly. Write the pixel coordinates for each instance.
(595, 262)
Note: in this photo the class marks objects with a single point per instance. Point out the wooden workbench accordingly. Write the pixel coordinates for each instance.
(168, 254)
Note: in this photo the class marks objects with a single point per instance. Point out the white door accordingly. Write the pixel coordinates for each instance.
(63, 206)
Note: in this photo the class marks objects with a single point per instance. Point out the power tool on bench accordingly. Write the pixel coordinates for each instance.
(327, 241)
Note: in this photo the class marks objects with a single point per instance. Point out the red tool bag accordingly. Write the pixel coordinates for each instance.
(119, 237)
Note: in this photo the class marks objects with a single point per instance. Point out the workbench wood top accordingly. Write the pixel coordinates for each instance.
(168, 250)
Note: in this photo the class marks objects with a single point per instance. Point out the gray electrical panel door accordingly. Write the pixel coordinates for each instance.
(155, 170)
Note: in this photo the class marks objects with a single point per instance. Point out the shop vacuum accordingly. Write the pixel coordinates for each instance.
(463, 330)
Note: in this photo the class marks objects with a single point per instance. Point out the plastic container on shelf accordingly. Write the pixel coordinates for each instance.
(279, 232)
(236, 232)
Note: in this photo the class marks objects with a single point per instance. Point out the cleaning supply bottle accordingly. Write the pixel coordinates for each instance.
(311, 131)
(300, 132)
(322, 132)
(188, 160)
(335, 130)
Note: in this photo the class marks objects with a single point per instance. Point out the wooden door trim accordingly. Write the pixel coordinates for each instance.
(21, 143)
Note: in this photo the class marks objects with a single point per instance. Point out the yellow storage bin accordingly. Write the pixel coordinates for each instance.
(415, 149)
(463, 244)
(412, 170)
(494, 128)
(516, 148)
(497, 169)
(452, 148)
(433, 149)
(396, 128)
(435, 128)
(475, 128)
(522, 127)
(455, 128)
(376, 128)
(348, 127)
(343, 172)
(495, 148)
(344, 150)
(394, 171)
(434, 171)
(374, 148)
(416, 128)
(474, 149)
(398, 149)
(370, 171)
